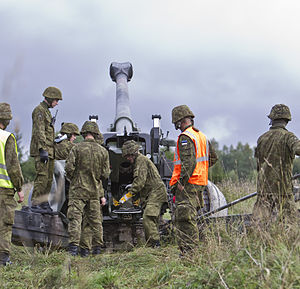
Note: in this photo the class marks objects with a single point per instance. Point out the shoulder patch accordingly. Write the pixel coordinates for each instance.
(184, 142)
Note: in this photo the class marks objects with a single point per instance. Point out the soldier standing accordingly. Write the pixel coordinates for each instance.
(11, 181)
(86, 164)
(62, 147)
(275, 152)
(42, 149)
(193, 156)
(147, 182)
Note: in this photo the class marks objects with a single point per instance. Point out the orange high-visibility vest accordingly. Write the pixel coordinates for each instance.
(200, 174)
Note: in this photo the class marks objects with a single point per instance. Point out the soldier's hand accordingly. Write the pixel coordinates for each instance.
(21, 197)
(44, 156)
(102, 201)
(180, 187)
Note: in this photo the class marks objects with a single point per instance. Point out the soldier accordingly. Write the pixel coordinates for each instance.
(42, 149)
(146, 182)
(11, 181)
(275, 152)
(86, 164)
(193, 155)
(64, 142)
(62, 147)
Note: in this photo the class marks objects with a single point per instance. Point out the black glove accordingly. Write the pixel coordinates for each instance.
(44, 156)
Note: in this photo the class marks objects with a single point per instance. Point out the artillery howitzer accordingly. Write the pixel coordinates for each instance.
(122, 225)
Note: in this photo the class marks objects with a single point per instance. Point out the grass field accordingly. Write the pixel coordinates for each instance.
(224, 259)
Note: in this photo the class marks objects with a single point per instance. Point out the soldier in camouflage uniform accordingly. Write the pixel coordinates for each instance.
(193, 155)
(64, 142)
(275, 152)
(42, 149)
(86, 164)
(11, 181)
(62, 147)
(147, 183)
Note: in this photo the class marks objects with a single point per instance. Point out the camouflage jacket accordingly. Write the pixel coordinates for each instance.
(42, 136)
(13, 168)
(187, 154)
(86, 164)
(62, 149)
(275, 152)
(147, 181)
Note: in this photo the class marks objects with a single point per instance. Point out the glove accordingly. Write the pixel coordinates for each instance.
(44, 156)
(136, 203)
(116, 203)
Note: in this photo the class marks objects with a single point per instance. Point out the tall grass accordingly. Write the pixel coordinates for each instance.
(226, 258)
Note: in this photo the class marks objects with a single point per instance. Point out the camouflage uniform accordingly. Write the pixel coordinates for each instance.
(275, 153)
(62, 149)
(42, 138)
(147, 182)
(87, 163)
(7, 201)
(190, 200)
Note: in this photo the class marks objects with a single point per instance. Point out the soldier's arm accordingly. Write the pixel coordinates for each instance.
(12, 164)
(213, 158)
(106, 165)
(188, 158)
(139, 177)
(294, 144)
(70, 164)
(38, 123)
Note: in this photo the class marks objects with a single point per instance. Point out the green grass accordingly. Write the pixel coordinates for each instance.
(224, 259)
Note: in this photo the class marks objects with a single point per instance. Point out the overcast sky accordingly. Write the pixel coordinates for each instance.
(229, 61)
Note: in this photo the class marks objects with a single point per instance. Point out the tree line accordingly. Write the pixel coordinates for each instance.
(237, 163)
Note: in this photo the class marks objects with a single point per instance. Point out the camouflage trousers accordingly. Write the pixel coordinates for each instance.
(7, 214)
(151, 221)
(87, 239)
(269, 208)
(90, 210)
(43, 181)
(187, 232)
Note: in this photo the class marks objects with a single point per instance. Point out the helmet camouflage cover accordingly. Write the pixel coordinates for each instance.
(52, 92)
(180, 112)
(130, 147)
(91, 127)
(5, 111)
(280, 111)
(69, 128)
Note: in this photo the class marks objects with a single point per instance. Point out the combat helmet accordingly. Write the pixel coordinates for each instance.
(181, 111)
(53, 93)
(130, 147)
(280, 111)
(91, 127)
(5, 111)
(69, 128)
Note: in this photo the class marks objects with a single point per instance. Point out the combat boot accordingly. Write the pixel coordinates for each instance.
(4, 259)
(84, 252)
(73, 249)
(96, 250)
(155, 244)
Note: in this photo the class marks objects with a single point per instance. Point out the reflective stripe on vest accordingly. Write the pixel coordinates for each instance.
(200, 173)
(5, 181)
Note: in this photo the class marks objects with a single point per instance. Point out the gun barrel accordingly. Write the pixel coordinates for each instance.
(121, 73)
(228, 205)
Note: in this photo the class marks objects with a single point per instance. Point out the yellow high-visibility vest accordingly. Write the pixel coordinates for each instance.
(5, 181)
